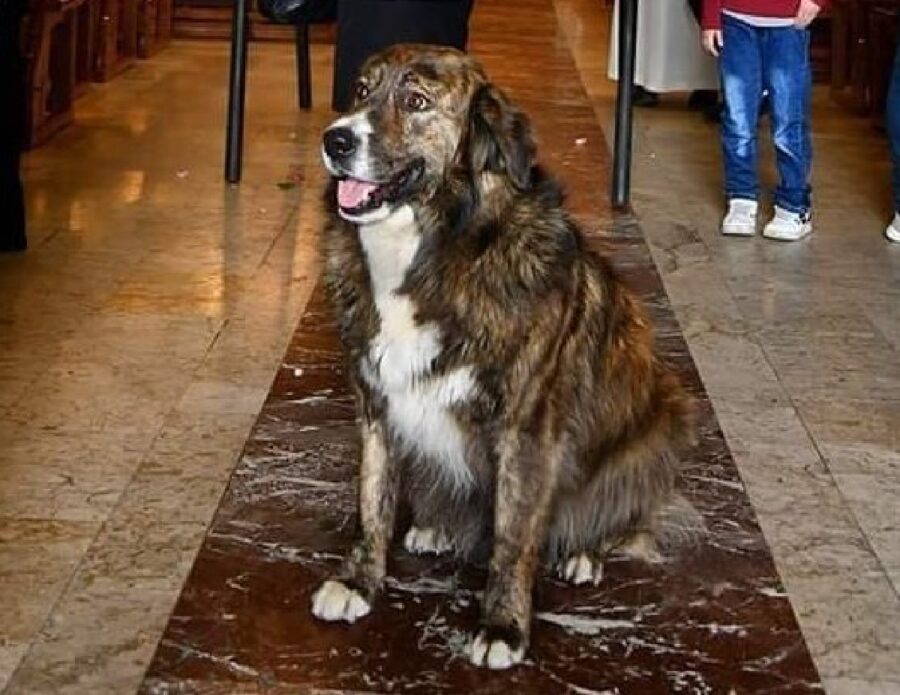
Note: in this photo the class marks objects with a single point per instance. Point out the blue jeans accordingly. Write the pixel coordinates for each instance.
(773, 59)
(893, 127)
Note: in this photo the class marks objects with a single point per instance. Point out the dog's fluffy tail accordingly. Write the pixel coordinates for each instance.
(677, 525)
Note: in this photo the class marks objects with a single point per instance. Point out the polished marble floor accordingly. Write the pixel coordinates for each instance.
(139, 337)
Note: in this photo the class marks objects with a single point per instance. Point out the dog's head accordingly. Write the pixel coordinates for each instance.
(421, 115)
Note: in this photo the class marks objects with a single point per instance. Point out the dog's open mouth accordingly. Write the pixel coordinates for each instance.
(356, 196)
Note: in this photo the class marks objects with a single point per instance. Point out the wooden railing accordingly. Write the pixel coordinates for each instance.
(70, 43)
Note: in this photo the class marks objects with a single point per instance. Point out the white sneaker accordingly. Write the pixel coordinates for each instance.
(741, 217)
(893, 230)
(788, 226)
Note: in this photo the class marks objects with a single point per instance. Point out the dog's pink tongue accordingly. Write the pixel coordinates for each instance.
(352, 193)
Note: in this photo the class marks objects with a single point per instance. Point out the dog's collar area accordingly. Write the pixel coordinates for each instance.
(356, 197)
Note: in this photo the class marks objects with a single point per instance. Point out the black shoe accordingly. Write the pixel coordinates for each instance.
(713, 112)
(14, 246)
(644, 98)
(702, 99)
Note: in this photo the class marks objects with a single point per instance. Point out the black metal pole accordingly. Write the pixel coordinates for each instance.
(621, 192)
(236, 87)
(304, 72)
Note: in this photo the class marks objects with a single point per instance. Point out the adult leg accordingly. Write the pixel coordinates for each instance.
(741, 73)
(12, 121)
(787, 76)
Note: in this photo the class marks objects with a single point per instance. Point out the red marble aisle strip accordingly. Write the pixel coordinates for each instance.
(714, 619)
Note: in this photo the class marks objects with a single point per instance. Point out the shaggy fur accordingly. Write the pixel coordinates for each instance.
(508, 387)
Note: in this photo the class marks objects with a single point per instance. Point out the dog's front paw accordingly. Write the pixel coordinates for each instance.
(422, 541)
(498, 647)
(336, 601)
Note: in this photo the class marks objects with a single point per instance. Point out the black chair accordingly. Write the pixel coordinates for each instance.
(301, 15)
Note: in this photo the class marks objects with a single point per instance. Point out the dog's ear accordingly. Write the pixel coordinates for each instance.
(500, 137)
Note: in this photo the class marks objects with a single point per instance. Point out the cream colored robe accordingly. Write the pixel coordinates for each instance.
(669, 56)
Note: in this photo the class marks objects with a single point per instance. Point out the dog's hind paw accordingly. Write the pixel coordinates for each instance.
(580, 569)
(423, 541)
(336, 601)
(641, 546)
(498, 648)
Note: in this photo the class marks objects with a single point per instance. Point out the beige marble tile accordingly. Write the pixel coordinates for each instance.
(848, 609)
(141, 342)
(875, 502)
(851, 623)
(247, 355)
(183, 476)
(143, 547)
(17, 374)
(856, 436)
(11, 654)
(98, 395)
(37, 559)
(221, 397)
(103, 630)
(850, 686)
(69, 475)
(98, 641)
(130, 575)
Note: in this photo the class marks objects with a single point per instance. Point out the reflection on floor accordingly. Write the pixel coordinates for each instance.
(139, 337)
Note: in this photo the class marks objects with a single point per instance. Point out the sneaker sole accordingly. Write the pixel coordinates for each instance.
(738, 231)
(892, 234)
(776, 236)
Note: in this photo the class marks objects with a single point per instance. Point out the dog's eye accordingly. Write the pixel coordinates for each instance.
(416, 101)
(362, 91)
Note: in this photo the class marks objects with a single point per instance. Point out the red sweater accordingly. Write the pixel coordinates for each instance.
(712, 9)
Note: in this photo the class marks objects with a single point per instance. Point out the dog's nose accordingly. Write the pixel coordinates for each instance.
(340, 143)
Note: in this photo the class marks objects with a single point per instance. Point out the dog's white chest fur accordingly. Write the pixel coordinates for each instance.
(401, 355)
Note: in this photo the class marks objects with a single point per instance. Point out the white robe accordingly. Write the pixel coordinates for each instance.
(669, 55)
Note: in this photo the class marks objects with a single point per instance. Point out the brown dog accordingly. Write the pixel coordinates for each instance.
(507, 383)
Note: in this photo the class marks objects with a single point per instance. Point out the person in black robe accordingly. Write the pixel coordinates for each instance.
(367, 26)
(12, 122)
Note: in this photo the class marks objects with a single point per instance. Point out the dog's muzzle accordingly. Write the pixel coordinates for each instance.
(357, 196)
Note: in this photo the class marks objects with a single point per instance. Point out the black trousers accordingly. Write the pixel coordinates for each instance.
(12, 125)
(368, 26)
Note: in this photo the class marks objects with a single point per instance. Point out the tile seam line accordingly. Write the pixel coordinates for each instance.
(291, 218)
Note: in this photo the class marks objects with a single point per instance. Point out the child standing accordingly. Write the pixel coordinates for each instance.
(763, 47)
